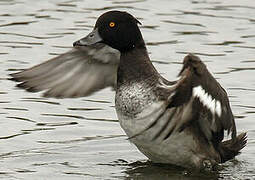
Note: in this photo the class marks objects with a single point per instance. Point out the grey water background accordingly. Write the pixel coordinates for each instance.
(46, 138)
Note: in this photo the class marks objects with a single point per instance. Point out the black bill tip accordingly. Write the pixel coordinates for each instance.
(77, 43)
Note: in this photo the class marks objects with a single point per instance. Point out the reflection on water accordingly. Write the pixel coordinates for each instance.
(81, 138)
(148, 170)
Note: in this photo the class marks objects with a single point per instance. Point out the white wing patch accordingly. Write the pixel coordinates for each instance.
(207, 100)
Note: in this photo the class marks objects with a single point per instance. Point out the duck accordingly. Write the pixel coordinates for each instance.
(182, 122)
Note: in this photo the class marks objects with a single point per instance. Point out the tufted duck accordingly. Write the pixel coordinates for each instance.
(180, 123)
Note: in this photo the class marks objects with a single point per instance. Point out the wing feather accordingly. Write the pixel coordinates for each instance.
(79, 72)
(210, 104)
(199, 100)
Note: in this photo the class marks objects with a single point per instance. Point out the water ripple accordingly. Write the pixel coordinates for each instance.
(249, 47)
(81, 139)
(149, 170)
(66, 4)
(31, 36)
(97, 101)
(225, 43)
(114, 7)
(2, 92)
(103, 119)
(248, 36)
(195, 13)
(64, 115)
(21, 119)
(237, 6)
(236, 69)
(24, 170)
(53, 163)
(160, 62)
(57, 124)
(80, 117)
(17, 61)
(183, 23)
(241, 89)
(5, 102)
(194, 32)
(61, 33)
(149, 27)
(17, 46)
(37, 129)
(19, 42)
(85, 109)
(81, 174)
(201, 54)
(17, 23)
(128, 2)
(162, 42)
(41, 101)
(14, 135)
(16, 109)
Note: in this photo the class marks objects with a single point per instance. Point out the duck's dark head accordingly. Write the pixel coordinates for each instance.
(117, 29)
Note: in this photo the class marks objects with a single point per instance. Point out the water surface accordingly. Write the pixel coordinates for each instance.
(45, 138)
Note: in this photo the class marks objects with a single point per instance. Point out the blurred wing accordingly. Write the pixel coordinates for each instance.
(79, 72)
(202, 100)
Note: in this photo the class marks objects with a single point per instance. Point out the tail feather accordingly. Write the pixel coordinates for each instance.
(231, 148)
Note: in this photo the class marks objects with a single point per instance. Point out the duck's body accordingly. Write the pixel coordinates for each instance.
(180, 123)
(160, 123)
(139, 104)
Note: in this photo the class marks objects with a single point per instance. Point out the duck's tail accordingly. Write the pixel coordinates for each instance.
(230, 148)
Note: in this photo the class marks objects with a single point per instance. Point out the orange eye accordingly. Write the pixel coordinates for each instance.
(112, 24)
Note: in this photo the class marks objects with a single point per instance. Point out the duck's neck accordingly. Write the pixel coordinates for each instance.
(135, 66)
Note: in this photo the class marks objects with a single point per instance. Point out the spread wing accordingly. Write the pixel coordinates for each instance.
(79, 72)
(209, 101)
(196, 99)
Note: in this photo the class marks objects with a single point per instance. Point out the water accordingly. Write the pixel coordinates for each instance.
(81, 138)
